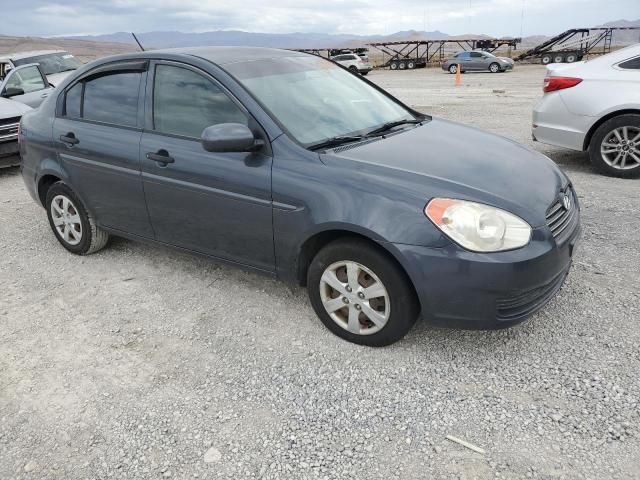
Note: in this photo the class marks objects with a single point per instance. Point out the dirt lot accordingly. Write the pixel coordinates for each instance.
(140, 362)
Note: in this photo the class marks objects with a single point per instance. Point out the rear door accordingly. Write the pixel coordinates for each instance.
(464, 60)
(26, 84)
(214, 203)
(97, 135)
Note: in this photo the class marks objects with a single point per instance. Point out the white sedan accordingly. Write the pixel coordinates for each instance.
(594, 106)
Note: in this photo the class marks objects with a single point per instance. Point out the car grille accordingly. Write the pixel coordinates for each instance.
(9, 128)
(563, 215)
(526, 303)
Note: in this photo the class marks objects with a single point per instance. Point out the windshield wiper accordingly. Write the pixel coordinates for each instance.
(336, 141)
(389, 125)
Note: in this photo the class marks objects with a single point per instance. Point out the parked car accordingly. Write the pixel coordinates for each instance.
(10, 113)
(355, 63)
(56, 64)
(284, 163)
(594, 106)
(26, 84)
(477, 61)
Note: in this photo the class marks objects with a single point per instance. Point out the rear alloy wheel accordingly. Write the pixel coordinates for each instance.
(546, 59)
(74, 228)
(494, 68)
(615, 147)
(453, 68)
(360, 294)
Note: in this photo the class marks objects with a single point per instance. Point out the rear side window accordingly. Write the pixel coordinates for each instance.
(185, 103)
(110, 98)
(476, 55)
(73, 101)
(633, 64)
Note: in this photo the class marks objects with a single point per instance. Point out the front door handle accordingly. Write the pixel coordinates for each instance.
(70, 139)
(161, 156)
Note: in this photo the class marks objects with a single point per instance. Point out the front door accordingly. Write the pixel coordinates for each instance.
(214, 203)
(97, 137)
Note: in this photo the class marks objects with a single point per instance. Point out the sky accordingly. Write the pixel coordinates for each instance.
(365, 17)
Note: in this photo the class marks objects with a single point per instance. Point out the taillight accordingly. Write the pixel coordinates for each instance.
(551, 84)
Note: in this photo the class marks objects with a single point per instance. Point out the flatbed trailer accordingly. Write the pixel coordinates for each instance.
(407, 55)
(332, 52)
(574, 44)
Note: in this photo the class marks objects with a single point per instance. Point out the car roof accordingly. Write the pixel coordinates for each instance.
(227, 55)
(33, 53)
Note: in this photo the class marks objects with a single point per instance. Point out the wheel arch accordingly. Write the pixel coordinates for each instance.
(44, 183)
(315, 242)
(609, 116)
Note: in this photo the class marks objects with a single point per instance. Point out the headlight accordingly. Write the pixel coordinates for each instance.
(478, 227)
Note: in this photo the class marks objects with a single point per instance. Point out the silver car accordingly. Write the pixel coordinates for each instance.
(56, 64)
(477, 61)
(594, 106)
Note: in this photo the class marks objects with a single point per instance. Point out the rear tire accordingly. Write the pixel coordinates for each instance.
(558, 58)
(411, 65)
(571, 57)
(546, 59)
(353, 69)
(394, 306)
(393, 65)
(453, 68)
(72, 225)
(402, 65)
(607, 150)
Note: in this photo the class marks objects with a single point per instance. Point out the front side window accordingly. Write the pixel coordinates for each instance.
(27, 79)
(185, 103)
(109, 98)
(315, 100)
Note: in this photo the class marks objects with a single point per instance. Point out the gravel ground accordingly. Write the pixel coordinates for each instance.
(141, 362)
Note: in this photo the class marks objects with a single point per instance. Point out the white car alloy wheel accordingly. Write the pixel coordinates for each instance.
(620, 148)
(66, 220)
(355, 298)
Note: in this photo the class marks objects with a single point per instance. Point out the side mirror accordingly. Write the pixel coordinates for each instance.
(229, 137)
(12, 92)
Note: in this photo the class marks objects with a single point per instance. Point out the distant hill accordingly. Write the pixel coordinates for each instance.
(239, 38)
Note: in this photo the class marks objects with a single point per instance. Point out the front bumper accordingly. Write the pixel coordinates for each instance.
(462, 289)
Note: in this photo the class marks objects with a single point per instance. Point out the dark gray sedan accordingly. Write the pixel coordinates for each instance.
(287, 164)
(477, 61)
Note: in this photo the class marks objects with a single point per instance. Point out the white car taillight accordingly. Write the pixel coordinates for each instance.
(551, 84)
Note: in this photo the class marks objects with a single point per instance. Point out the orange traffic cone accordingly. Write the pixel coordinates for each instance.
(459, 75)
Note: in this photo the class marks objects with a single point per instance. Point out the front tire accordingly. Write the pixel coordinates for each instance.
(614, 149)
(494, 68)
(72, 225)
(360, 294)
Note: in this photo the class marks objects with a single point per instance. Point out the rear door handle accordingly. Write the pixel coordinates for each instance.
(161, 156)
(70, 139)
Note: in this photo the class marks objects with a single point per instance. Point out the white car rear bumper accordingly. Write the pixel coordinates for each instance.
(555, 125)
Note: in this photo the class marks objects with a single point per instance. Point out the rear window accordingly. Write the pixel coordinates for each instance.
(632, 64)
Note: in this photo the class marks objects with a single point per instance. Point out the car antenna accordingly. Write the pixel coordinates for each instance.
(137, 41)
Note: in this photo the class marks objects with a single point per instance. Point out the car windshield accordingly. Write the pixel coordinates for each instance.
(52, 62)
(314, 100)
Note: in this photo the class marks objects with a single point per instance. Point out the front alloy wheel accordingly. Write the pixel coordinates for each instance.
(355, 298)
(494, 68)
(361, 294)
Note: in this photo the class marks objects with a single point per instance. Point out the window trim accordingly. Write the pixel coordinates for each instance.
(118, 66)
(151, 82)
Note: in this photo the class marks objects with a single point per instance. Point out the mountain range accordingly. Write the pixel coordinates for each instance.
(166, 39)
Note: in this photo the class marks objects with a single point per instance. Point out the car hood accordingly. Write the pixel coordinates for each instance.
(56, 79)
(10, 108)
(445, 159)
